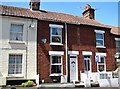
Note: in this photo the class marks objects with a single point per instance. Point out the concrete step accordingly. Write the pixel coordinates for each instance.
(79, 84)
(57, 85)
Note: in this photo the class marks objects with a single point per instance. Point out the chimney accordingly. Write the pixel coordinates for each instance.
(88, 12)
(34, 5)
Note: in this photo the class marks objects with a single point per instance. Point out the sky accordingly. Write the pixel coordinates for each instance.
(105, 12)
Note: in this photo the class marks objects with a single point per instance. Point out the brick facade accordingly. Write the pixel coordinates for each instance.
(80, 38)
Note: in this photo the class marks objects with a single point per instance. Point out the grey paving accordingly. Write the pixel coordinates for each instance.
(62, 88)
(57, 85)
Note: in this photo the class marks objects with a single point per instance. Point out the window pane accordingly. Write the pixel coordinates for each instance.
(18, 69)
(56, 59)
(16, 32)
(102, 60)
(99, 36)
(87, 65)
(56, 39)
(56, 69)
(15, 64)
(11, 69)
(56, 31)
(117, 49)
(117, 43)
(101, 67)
(11, 59)
(99, 42)
(16, 28)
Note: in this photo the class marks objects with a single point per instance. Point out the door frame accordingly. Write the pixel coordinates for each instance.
(90, 65)
(88, 53)
(88, 78)
(74, 53)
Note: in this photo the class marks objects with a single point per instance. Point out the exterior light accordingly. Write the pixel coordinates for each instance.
(32, 26)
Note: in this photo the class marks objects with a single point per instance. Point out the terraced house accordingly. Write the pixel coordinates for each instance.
(67, 48)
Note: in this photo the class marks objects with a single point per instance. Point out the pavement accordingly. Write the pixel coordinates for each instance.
(56, 86)
(63, 88)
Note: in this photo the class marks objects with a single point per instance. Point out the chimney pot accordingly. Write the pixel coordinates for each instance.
(87, 7)
(34, 4)
(88, 12)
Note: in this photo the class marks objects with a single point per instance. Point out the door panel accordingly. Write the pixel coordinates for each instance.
(87, 63)
(73, 68)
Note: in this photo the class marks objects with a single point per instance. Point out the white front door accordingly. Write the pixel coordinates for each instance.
(73, 68)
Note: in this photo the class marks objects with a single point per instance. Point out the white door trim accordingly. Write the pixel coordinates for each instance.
(86, 53)
(74, 53)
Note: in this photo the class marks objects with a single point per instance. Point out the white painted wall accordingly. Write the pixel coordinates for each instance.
(108, 82)
(27, 47)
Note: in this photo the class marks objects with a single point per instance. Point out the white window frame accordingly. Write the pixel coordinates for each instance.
(102, 64)
(100, 32)
(16, 75)
(117, 39)
(56, 53)
(13, 40)
(55, 26)
(55, 64)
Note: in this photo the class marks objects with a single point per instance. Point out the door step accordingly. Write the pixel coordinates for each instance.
(82, 84)
(95, 84)
(79, 84)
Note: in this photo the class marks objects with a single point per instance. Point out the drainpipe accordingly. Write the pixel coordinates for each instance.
(66, 51)
(26, 51)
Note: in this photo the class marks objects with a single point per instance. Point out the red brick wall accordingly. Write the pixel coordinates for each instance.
(80, 38)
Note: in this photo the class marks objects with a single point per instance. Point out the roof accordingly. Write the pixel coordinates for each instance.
(46, 15)
(115, 30)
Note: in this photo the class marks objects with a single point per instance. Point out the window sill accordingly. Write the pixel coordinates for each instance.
(60, 44)
(17, 42)
(15, 75)
(56, 74)
(100, 47)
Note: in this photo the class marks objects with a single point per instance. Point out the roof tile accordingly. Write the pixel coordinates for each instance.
(46, 15)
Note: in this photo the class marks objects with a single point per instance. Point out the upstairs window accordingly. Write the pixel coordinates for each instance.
(56, 34)
(16, 32)
(117, 45)
(99, 38)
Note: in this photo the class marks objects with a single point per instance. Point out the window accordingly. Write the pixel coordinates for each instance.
(117, 45)
(56, 64)
(104, 76)
(15, 64)
(56, 34)
(101, 64)
(99, 38)
(16, 32)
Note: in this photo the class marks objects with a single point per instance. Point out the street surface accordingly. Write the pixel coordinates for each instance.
(65, 88)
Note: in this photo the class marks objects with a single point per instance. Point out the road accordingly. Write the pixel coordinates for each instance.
(65, 88)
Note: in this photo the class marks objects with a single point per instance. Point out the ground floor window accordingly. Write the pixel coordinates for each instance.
(101, 64)
(15, 64)
(56, 64)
